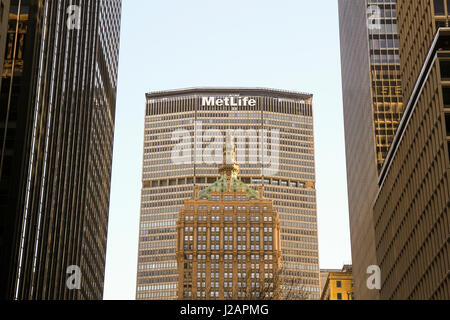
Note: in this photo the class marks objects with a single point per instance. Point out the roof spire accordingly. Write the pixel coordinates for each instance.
(229, 166)
(229, 170)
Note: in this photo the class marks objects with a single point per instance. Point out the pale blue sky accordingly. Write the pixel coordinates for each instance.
(283, 44)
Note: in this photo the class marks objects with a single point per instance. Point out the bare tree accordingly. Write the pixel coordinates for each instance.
(292, 287)
(280, 286)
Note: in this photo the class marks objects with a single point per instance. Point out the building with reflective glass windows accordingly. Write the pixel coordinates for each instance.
(372, 99)
(184, 132)
(385, 74)
(56, 131)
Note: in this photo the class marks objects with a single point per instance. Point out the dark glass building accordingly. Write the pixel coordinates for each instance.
(387, 102)
(4, 13)
(56, 134)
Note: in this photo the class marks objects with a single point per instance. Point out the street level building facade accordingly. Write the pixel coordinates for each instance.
(56, 134)
(339, 285)
(411, 209)
(184, 134)
(372, 100)
(228, 244)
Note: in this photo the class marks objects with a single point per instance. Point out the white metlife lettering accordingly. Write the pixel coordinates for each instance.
(228, 102)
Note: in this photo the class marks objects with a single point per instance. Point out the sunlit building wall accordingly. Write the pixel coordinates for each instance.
(372, 99)
(412, 206)
(278, 152)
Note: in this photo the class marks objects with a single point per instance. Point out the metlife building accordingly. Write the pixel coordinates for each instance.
(184, 134)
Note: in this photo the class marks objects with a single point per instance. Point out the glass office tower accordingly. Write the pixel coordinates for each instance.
(275, 144)
(372, 100)
(56, 133)
(385, 74)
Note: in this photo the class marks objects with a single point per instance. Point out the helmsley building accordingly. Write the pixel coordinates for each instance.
(228, 240)
(184, 134)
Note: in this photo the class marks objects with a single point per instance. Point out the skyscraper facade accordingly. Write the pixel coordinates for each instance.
(411, 209)
(57, 123)
(4, 13)
(359, 139)
(184, 132)
(372, 99)
(228, 240)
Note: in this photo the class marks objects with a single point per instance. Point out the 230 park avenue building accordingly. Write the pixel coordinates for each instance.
(184, 134)
(228, 244)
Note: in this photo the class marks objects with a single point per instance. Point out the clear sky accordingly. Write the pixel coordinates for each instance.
(170, 44)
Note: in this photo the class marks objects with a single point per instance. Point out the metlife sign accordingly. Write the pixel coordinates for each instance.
(205, 146)
(228, 102)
